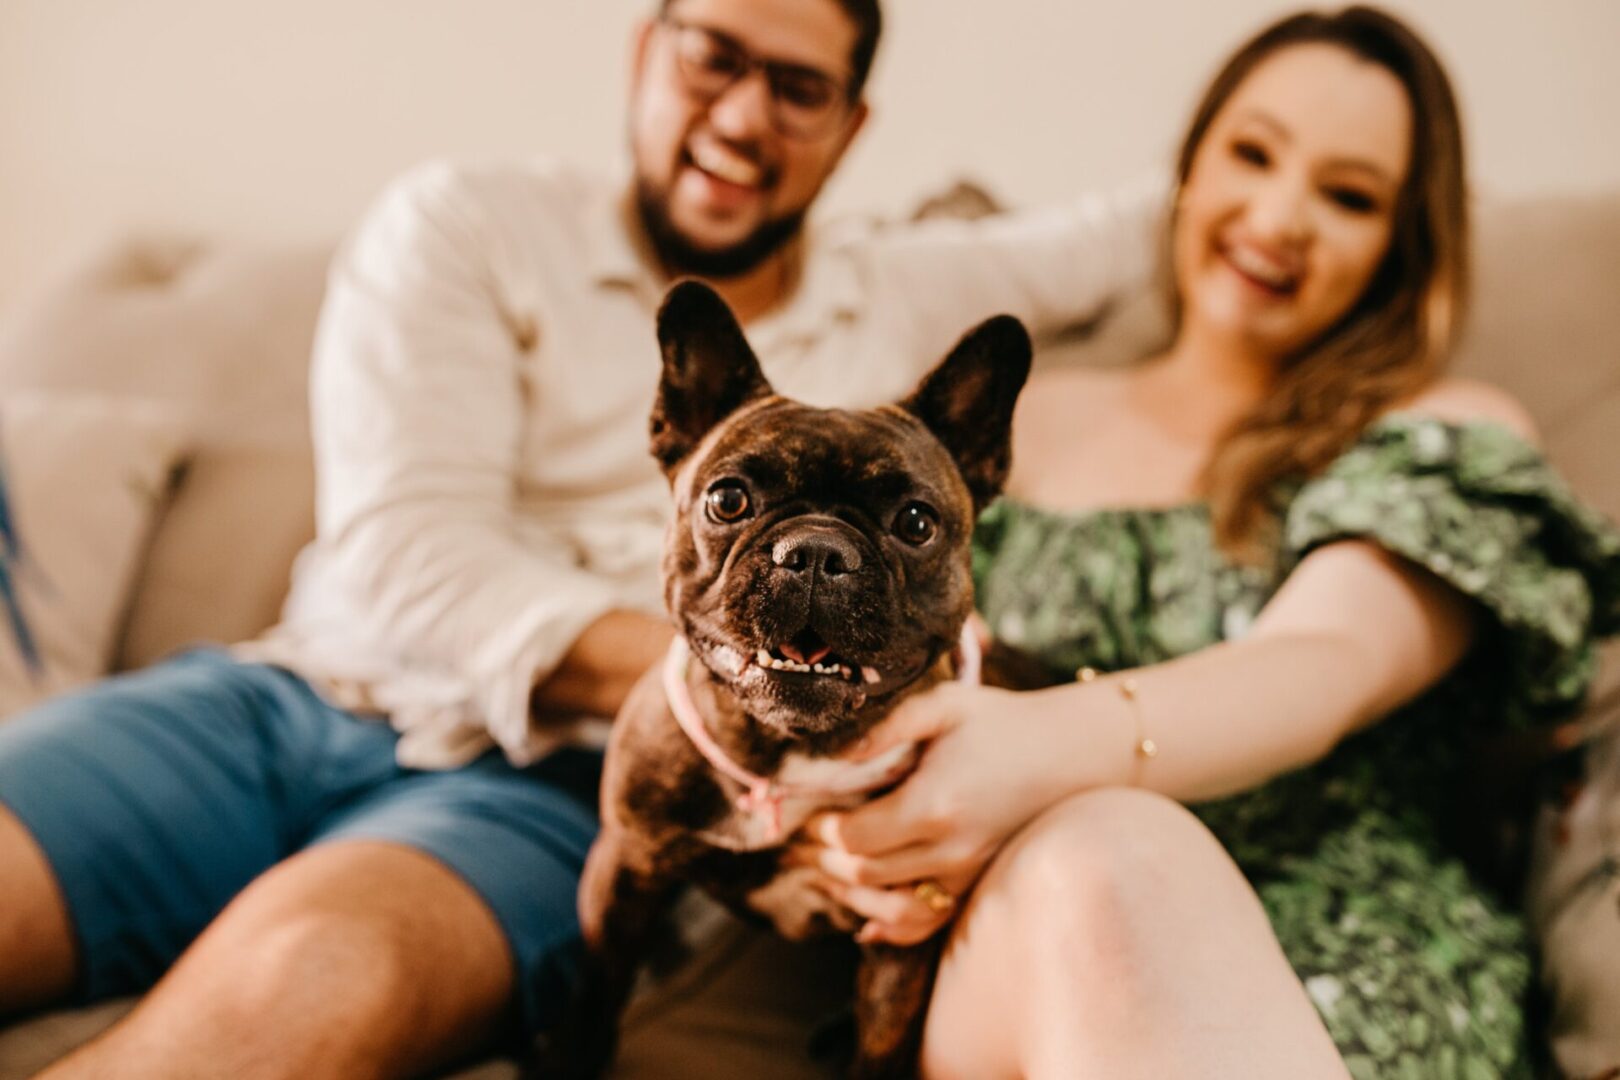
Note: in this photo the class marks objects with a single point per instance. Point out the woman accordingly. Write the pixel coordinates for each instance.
(1310, 567)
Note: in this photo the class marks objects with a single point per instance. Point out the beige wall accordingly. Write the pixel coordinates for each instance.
(271, 121)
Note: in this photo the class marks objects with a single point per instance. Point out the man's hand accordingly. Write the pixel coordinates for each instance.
(605, 662)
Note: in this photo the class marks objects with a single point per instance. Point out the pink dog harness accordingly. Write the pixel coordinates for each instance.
(762, 794)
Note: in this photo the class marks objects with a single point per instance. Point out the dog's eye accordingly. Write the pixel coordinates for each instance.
(727, 502)
(916, 523)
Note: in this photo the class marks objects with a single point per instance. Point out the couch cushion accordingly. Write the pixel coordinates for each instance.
(224, 338)
(1546, 328)
(226, 544)
(82, 479)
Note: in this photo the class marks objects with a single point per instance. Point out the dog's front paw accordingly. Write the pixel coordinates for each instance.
(891, 1004)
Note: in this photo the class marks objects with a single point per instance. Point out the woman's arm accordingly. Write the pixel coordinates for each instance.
(1353, 633)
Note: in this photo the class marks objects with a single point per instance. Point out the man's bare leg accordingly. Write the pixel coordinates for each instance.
(37, 952)
(353, 959)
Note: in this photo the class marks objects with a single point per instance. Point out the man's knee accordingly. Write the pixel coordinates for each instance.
(371, 931)
(351, 964)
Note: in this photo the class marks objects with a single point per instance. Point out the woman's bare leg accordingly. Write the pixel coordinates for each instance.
(1114, 938)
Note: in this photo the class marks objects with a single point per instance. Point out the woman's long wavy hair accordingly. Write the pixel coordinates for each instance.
(1398, 337)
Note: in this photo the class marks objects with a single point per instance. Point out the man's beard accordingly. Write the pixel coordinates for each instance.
(680, 257)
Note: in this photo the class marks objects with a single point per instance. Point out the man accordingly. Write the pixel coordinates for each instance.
(334, 896)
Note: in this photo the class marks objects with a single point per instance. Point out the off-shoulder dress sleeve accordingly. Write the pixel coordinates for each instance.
(1482, 510)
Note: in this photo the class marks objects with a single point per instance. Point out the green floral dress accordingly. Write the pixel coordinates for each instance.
(1417, 968)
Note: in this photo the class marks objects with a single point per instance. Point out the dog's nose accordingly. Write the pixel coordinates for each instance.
(826, 553)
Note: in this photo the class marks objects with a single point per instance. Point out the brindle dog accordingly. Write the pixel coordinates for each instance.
(817, 568)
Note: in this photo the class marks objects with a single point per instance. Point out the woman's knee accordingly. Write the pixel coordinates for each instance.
(1105, 865)
(1068, 928)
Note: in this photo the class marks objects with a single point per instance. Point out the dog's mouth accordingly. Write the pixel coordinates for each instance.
(807, 653)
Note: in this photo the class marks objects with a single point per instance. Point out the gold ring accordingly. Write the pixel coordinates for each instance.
(933, 894)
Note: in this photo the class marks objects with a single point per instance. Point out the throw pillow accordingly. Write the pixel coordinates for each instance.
(82, 479)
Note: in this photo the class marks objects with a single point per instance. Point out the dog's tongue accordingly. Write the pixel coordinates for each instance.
(793, 652)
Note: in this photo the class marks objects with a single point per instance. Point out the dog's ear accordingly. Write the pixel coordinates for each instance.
(709, 371)
(967, 402)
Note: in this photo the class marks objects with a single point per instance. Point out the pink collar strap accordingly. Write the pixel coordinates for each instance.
(761, 794)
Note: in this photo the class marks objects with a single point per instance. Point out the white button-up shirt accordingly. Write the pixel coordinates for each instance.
(483, 373)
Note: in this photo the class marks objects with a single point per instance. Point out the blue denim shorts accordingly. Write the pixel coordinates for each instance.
(158, 796)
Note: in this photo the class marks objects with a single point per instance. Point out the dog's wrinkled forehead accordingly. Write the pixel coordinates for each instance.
(825, 456)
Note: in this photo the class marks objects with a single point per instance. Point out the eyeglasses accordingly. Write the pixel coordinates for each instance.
(805, 102)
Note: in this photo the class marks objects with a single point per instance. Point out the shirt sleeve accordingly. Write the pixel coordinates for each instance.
(1055, 267)
(418, 403)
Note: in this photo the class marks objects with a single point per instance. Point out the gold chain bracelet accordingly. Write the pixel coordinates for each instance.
(1146, 748)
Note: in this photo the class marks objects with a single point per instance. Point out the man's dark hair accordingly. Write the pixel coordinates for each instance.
(868, 22)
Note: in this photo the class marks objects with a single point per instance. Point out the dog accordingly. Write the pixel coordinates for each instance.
(817, 570)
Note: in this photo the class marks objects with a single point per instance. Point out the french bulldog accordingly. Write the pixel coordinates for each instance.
(817, 570)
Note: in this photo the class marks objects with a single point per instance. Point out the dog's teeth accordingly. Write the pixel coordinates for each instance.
(778, 664)
(870, 674)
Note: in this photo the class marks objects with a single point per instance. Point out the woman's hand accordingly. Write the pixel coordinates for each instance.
(984, 773)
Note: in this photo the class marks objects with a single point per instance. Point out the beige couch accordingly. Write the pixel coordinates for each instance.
(224, 336)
